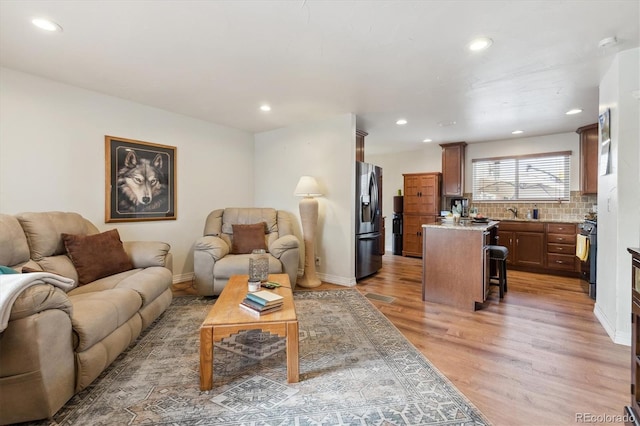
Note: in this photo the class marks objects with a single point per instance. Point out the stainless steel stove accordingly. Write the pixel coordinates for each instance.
(588, 268)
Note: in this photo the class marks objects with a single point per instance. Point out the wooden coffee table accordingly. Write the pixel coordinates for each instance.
(226, 317)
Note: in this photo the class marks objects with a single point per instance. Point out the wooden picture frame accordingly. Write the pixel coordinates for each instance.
(140, 181)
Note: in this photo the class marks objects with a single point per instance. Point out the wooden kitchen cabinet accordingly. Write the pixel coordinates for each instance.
(589, 155)
(632, 411)
(525, 241)
(422, 193)
(421, 205)
(456, 265)
(506, 239)
(360, 135)
(412, 233)
(561, 246)
(453, 157)
(544, 247)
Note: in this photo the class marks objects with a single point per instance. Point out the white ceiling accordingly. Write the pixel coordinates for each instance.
(382, 60)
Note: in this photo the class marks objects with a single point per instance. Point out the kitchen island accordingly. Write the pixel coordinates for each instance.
(455, 259)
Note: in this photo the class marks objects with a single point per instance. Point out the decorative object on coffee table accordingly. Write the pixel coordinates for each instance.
(258, 266)
(308, 188)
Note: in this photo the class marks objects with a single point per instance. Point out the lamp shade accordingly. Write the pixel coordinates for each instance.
(307, 187)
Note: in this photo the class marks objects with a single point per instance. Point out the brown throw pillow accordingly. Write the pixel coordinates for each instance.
(247, 238)
(97, 256)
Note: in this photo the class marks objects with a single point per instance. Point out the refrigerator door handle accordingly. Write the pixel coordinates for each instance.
(373, 190)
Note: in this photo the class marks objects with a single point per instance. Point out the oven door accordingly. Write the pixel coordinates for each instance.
(585, 269)
(588, 266)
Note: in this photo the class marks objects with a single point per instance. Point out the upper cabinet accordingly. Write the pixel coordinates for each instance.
(360, 144)
(422, 193)
(589, 158)
(453, 169)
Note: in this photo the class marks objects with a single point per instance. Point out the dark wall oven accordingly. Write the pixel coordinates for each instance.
(588, 266)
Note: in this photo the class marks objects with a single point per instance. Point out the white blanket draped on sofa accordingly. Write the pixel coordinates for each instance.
(13, 284)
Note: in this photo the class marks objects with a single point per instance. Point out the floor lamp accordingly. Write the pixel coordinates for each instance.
(308, 188)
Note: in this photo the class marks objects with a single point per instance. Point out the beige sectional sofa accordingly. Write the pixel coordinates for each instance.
(56, 343)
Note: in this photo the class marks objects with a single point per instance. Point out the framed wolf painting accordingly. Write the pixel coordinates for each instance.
(140, 180)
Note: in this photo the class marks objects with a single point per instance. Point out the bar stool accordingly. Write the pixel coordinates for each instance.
(499, 255)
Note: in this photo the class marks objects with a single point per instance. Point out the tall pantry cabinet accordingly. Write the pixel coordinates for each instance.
(421, 205)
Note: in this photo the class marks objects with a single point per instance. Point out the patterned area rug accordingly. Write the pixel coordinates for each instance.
(355, 369)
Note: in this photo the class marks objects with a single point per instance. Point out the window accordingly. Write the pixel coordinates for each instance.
(526, 177)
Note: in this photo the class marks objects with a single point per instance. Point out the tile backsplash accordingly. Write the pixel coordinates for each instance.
(575, 209)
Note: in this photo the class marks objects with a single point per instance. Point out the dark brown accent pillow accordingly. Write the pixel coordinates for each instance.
(97, 256)
(247, 238)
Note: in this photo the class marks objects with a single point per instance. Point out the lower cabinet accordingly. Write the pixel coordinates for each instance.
(525, 242)
(529, 249)
(561, 247)
(540, 247)
(412, 233)
(506, 238)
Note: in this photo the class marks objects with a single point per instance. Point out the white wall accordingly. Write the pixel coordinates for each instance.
(619, 197)
(429, 159)
(325, 150)
(52, 158)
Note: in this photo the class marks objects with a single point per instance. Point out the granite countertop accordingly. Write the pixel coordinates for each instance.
(571, 220)
(464, 225)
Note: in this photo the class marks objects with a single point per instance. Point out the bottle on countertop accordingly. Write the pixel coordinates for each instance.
(528, 214)
(535, 211)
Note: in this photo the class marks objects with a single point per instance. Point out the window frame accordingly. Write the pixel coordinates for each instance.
(518, 159)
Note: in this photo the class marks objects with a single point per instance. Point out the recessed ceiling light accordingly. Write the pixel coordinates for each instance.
(265, 108)
(46, 25)
(517, 132)
(446, 123)
(401, 122)
(573, 111)
(480, 43)
(427, 140)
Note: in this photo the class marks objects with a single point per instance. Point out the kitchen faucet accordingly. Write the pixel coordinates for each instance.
(513, 210)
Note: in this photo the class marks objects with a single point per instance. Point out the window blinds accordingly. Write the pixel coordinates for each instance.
(528, 177)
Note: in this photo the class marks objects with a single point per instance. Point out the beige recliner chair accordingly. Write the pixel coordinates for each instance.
(214, 261)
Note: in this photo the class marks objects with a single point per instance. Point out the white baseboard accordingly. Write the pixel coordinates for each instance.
(181, 278)
(620, 338)
(333, 279)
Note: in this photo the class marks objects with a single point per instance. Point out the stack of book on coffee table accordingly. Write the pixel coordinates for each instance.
(262, 302)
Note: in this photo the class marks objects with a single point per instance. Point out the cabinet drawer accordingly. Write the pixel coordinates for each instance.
(561, 261)
(506, 225)
(561, 238)
(561, 228)
(561, 248)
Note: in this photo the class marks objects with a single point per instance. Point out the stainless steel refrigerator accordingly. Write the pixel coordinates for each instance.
(369, 247)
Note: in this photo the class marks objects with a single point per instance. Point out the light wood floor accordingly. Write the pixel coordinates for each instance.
(538, 357)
